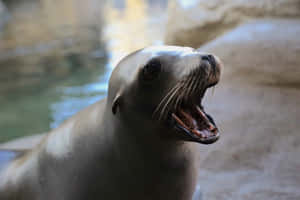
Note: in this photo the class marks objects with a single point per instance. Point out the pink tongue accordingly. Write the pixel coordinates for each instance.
(188, 119)
(203, 129)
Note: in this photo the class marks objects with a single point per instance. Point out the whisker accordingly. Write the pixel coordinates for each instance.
(196, 85)
(177, 102)
(187, 89)
(193, 85)
(165, 98)
(178, 99)
(168, 102)
(181, 91)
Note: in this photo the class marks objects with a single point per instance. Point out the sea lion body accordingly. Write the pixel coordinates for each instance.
(113, 149)
(115, 173)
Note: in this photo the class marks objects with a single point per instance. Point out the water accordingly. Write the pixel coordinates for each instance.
(39, 109)
(6, 156)
(36, 109)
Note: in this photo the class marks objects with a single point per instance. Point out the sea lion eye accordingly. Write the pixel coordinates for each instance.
(151, 70)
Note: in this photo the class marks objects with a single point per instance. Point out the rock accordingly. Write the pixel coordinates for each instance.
(36, 43)
(263, 51)
(257, 108)
(193, 23)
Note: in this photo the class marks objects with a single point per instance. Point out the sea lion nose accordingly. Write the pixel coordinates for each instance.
(210, 58)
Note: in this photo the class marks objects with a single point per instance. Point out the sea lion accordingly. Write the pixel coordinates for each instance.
(134, 144)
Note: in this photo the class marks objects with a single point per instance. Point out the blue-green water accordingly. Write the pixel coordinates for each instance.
(6, 156)
(38, 105)
(40, 108)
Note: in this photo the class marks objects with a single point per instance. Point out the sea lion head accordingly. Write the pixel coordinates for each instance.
(159, 90)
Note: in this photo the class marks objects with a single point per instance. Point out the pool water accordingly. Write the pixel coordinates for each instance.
(39, 108)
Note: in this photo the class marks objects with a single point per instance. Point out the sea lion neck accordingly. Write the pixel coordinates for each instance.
(131, 145)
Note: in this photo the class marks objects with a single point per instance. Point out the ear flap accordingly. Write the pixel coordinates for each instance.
(116, 103)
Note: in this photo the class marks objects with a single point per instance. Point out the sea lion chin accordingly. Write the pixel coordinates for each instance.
(134, 144)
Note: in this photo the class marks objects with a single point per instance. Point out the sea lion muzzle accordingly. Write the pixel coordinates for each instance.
(186, 114)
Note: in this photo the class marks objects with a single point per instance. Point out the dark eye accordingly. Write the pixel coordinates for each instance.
(151, 70)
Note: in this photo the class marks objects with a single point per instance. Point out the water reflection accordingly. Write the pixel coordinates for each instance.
(75, 98)
(138, 24)
(129, 25)
(5, 156)
(42, 38)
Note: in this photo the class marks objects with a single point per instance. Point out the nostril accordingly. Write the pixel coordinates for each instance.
(210, 59)
(205, 58)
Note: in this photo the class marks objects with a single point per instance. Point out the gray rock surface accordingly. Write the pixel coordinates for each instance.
(257, 107)
(193, 23)
(262, 52)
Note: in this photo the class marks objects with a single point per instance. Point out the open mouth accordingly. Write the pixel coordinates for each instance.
(194, 124)
(190, 120)
(186, 114)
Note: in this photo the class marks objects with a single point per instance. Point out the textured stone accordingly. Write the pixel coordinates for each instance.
(193, 23)
(262, 51)
(257, 108)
